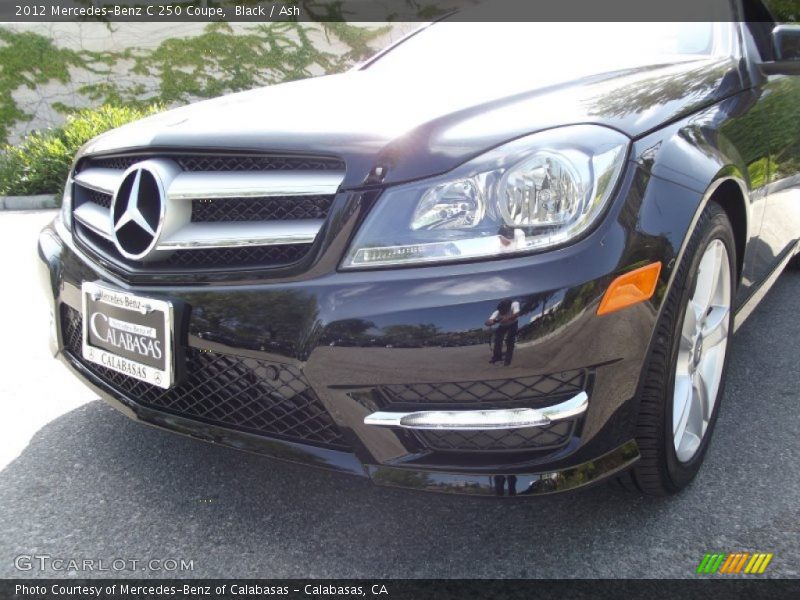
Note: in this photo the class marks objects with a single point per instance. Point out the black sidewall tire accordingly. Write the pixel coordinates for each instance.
(718, 228)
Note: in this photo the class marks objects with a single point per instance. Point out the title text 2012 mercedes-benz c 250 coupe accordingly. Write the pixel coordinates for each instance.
(501, 259)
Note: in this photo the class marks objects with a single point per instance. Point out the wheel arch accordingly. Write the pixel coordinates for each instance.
(727, 186)
(730, 192)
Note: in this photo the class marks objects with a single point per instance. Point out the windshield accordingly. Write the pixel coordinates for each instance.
(528, 47)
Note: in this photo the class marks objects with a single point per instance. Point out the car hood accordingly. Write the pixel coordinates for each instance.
(416, 127)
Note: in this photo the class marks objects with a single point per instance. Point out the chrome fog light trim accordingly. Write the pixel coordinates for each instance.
(475, 420)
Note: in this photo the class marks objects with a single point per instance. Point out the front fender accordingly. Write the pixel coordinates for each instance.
(712, 154)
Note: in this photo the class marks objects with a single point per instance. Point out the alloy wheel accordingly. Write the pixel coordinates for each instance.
(701, 353)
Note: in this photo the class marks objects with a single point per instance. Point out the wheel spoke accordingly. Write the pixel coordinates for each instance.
(688, 446)
(704, 287)
(716, 248)
(715, 330)
(694, 424)
(681, 405)
(690, 321)
(708, 374)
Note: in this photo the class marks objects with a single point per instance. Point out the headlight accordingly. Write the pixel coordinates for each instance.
(533, 193)
(66, 204)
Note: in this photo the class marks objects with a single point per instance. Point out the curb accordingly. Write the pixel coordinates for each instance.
(39, 202)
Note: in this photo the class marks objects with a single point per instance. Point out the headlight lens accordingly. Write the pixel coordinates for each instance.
(454, 205)
(542, 190)
(533, 193)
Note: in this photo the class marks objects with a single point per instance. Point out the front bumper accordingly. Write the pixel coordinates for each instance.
(291, 368)
(455, 482)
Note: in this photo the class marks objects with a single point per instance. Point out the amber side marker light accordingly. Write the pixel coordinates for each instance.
(629, 289)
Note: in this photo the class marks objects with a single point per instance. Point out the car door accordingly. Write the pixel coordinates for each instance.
(779, 104)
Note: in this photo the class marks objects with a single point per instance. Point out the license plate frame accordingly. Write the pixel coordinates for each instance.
(132, 321)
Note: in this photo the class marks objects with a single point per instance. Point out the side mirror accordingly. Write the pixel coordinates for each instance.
(786, 39)
(786, 43)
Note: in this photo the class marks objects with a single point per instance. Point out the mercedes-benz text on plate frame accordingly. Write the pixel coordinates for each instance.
(127, 333)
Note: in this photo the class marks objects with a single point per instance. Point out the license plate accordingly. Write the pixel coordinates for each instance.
(127, 333)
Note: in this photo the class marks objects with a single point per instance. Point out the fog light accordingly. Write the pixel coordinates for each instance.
(476, 420)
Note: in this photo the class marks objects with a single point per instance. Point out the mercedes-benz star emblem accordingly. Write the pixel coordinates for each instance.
(137, 212)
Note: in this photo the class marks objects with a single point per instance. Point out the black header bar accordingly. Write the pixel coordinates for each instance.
(265, 11)
(408, 589)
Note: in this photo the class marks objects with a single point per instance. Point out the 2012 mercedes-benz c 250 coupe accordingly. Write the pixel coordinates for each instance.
(501, 259)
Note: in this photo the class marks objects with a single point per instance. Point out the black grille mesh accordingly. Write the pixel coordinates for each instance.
(490, 392)
(257, 163)
(246, 256)
(119, 163)
(549, 437)
(98, 198)
(278, 208)
(235, 392)
(213, 162)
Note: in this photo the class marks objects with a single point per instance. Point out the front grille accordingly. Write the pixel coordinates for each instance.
(236, 228)
(519, 391)
(549, 437)
(245, 394)
(279, 208)
(214, 162)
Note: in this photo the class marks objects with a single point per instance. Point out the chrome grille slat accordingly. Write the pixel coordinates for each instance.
(202, 259)
(269, 233)
(94, 217)
(200, 185)
(105, 181)
(203, 185)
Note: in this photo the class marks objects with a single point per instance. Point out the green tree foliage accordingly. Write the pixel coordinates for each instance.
(40, 164)
(784, 10)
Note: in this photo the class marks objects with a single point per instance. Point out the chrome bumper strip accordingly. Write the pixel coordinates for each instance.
(476, 420)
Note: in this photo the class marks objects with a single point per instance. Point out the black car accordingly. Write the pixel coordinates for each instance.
(498, 258)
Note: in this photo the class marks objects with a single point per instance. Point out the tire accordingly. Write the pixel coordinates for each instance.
(660, 471)
(794, 264)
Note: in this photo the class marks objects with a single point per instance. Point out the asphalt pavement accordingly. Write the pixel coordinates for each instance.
(80, 481)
